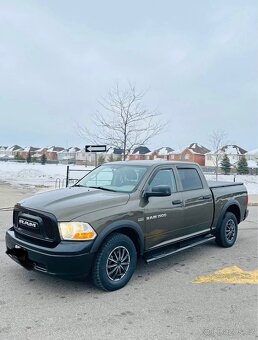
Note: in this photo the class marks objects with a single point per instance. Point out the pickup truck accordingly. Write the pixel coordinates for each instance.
(119, 212)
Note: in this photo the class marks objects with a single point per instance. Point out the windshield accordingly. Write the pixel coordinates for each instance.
(112, 177)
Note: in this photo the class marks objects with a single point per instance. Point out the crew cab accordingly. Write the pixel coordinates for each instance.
(119, 212)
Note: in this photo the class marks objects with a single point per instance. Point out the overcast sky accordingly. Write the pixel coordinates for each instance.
(198, 60)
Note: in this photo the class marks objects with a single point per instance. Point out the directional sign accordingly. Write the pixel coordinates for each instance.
(95, 148)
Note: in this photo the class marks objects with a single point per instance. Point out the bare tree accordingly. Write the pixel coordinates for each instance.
(217, 141)
(124, 122)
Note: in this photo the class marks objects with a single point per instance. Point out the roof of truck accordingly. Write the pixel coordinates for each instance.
(153, 162)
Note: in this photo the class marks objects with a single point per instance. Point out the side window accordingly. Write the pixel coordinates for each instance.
(164, 177)
(190, 179)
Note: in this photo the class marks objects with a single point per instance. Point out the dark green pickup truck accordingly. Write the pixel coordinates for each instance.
(120, 211)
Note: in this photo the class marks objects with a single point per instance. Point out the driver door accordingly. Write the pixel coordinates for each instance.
(163, 215)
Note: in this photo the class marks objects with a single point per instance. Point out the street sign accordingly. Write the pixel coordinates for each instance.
(95, 148)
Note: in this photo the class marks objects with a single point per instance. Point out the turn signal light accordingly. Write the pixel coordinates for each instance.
(84, 236)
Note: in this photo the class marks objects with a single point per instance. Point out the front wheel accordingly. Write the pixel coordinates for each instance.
(226, 235)
(115, 262)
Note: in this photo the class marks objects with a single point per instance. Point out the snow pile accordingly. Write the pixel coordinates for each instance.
(30, 173)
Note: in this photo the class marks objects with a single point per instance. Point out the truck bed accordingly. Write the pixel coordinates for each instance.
(225, 192)
(220, 184)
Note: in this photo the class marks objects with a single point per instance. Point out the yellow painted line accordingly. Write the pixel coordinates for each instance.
(230, 275)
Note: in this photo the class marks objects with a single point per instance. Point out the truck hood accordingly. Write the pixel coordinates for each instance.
(70, 203)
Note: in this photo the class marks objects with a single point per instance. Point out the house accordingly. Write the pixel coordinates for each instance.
(193, 153)
(113, 154)
(29, 149)
(12, 151)
(67, 156)
(252, 155)
(234, 152)
(139, 153)
(51, 153)
(161, 153)
(39, 153)
(85, 158)
(252, 159)
(3, 151)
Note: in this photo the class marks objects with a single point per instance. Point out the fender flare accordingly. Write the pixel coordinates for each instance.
(225, 208)
(125, 224)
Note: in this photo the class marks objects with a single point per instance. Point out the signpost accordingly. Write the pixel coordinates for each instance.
(95, 149)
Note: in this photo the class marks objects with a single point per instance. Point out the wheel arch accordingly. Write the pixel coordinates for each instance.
(231, 206)
(234, 209)
(126, 227)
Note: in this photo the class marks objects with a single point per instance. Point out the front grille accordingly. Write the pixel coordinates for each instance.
(35, 225)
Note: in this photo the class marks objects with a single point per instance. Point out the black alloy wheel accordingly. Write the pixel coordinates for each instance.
(115, 262)
(226, 234)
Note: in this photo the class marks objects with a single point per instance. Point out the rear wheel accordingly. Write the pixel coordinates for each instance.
(227, 233)
(115, 262)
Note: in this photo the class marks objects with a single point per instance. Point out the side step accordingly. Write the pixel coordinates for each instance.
(176, 248)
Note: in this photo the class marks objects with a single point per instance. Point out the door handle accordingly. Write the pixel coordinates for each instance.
(206, 197)
(177, 202)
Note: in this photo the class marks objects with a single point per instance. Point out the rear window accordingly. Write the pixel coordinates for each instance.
(190, 179)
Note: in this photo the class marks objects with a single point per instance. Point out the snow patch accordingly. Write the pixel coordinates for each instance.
(48, 175)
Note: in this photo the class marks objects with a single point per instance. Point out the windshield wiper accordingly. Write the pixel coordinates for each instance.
(103, 188)
(79, 185)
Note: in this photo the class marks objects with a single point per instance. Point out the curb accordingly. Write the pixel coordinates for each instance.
(255, 204)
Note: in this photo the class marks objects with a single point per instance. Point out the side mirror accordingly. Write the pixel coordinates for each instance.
(158, 191)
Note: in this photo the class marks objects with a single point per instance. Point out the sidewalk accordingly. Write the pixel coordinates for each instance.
(253, 200)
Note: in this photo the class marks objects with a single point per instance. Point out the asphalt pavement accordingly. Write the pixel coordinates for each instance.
(160, 302)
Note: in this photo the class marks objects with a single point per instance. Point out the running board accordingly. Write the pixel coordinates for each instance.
(175, 248)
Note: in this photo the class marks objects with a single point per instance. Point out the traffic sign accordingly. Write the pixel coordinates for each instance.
(95, 148)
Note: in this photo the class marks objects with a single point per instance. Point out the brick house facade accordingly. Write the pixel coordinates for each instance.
(193, 153)
(52, 153)
(29, 149)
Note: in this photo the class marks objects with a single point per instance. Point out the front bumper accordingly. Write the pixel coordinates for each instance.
(67, 259)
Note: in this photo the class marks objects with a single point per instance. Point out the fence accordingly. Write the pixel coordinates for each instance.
(74, 180)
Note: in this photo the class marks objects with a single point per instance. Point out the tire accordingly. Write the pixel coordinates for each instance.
(115, 262)
(226, 235)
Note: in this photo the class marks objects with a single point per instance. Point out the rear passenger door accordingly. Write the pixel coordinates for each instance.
(197, 200)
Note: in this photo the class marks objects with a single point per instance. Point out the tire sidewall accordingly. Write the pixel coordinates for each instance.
(114, 241)
(223, 240)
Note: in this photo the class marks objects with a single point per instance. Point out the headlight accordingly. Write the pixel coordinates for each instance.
(76, 231)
